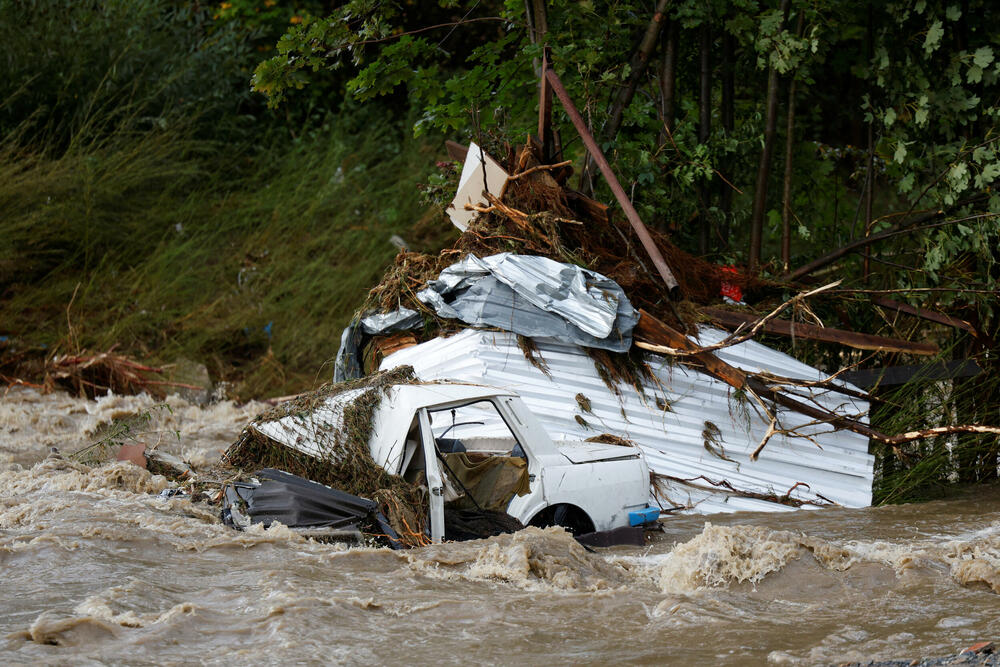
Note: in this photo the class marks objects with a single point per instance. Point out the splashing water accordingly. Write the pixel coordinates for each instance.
(98, 567)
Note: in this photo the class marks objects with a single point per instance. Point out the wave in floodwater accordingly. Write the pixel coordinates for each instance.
(96, 566)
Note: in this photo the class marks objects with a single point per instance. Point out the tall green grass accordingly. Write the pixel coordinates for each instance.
(148, 202)
(253, 270)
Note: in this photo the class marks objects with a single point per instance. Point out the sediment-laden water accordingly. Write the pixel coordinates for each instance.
(95, 567)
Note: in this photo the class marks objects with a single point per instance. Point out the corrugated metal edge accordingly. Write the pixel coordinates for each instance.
(673, 441)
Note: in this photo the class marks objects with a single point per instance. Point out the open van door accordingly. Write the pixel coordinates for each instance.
(435, 483)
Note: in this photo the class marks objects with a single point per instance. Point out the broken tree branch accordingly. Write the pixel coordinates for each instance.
(785, 498)
(895, 230)
(923, 434)
(540, 167)
(923, 313)
(772, 430)
(853, 339)
(741, 335)
(662, 336)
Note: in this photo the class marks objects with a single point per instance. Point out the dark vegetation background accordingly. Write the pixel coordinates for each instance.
(220, 182)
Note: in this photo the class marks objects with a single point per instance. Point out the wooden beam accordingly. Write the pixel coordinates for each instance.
(588, 208)
(923, 313)
(456, 151)
(652, 330)
(891, 376)
(860, 341)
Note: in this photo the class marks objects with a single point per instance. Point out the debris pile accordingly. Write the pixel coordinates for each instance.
(94, 375)
(344, 461)
(536, 214)
(517, 210)
(84, 373)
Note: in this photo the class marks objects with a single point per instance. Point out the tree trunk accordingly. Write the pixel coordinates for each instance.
(869, 167)
(668, 79)
(705, 130)
(538, 28)
(869, 190)
(728, 118)
(763, 169)
(539, 20)
(624, 97)
(786, 199)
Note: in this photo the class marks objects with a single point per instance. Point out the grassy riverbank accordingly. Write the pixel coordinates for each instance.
(168, 246)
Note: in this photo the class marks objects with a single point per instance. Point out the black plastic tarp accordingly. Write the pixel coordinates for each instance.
(300, 503)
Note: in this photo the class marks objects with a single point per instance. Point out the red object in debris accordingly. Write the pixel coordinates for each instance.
(133, 454)
(980, 647)
(730, 289)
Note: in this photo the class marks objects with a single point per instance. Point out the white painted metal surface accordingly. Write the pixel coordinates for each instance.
(471, 185)
(606, 482)
(669, 421)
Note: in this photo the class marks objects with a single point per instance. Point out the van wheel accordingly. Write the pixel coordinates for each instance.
(570, 517)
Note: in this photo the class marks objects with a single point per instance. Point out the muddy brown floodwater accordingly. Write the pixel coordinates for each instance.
(96, 568)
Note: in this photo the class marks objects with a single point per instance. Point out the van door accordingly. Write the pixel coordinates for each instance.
(435, 483)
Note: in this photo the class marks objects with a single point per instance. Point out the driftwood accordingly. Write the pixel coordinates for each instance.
(655, 336)
(860, 341)
(923, 313)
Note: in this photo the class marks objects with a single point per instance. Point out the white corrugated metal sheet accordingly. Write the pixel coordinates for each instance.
(671, 438)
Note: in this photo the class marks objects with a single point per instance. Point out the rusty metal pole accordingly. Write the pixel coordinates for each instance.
(673, 289)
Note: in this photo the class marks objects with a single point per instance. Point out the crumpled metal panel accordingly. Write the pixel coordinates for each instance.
(690, 426)
(300, 431)
(528, 295)
(585, 299)
(397, 320)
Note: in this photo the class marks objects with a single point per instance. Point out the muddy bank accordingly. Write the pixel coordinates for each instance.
(98, 567)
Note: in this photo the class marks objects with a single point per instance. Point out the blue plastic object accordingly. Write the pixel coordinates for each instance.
(639, 517)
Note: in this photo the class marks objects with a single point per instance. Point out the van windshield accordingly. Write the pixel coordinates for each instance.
(474, 427)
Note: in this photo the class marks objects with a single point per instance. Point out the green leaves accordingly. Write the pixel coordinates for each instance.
(983, 56)
(933, 38)
(988, 174)
(900, 153)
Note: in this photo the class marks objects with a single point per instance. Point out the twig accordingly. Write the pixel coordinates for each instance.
(517, 216)
(784, 499)
(69, 323)
(451, 24)
(772, 430)
(541, 167)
